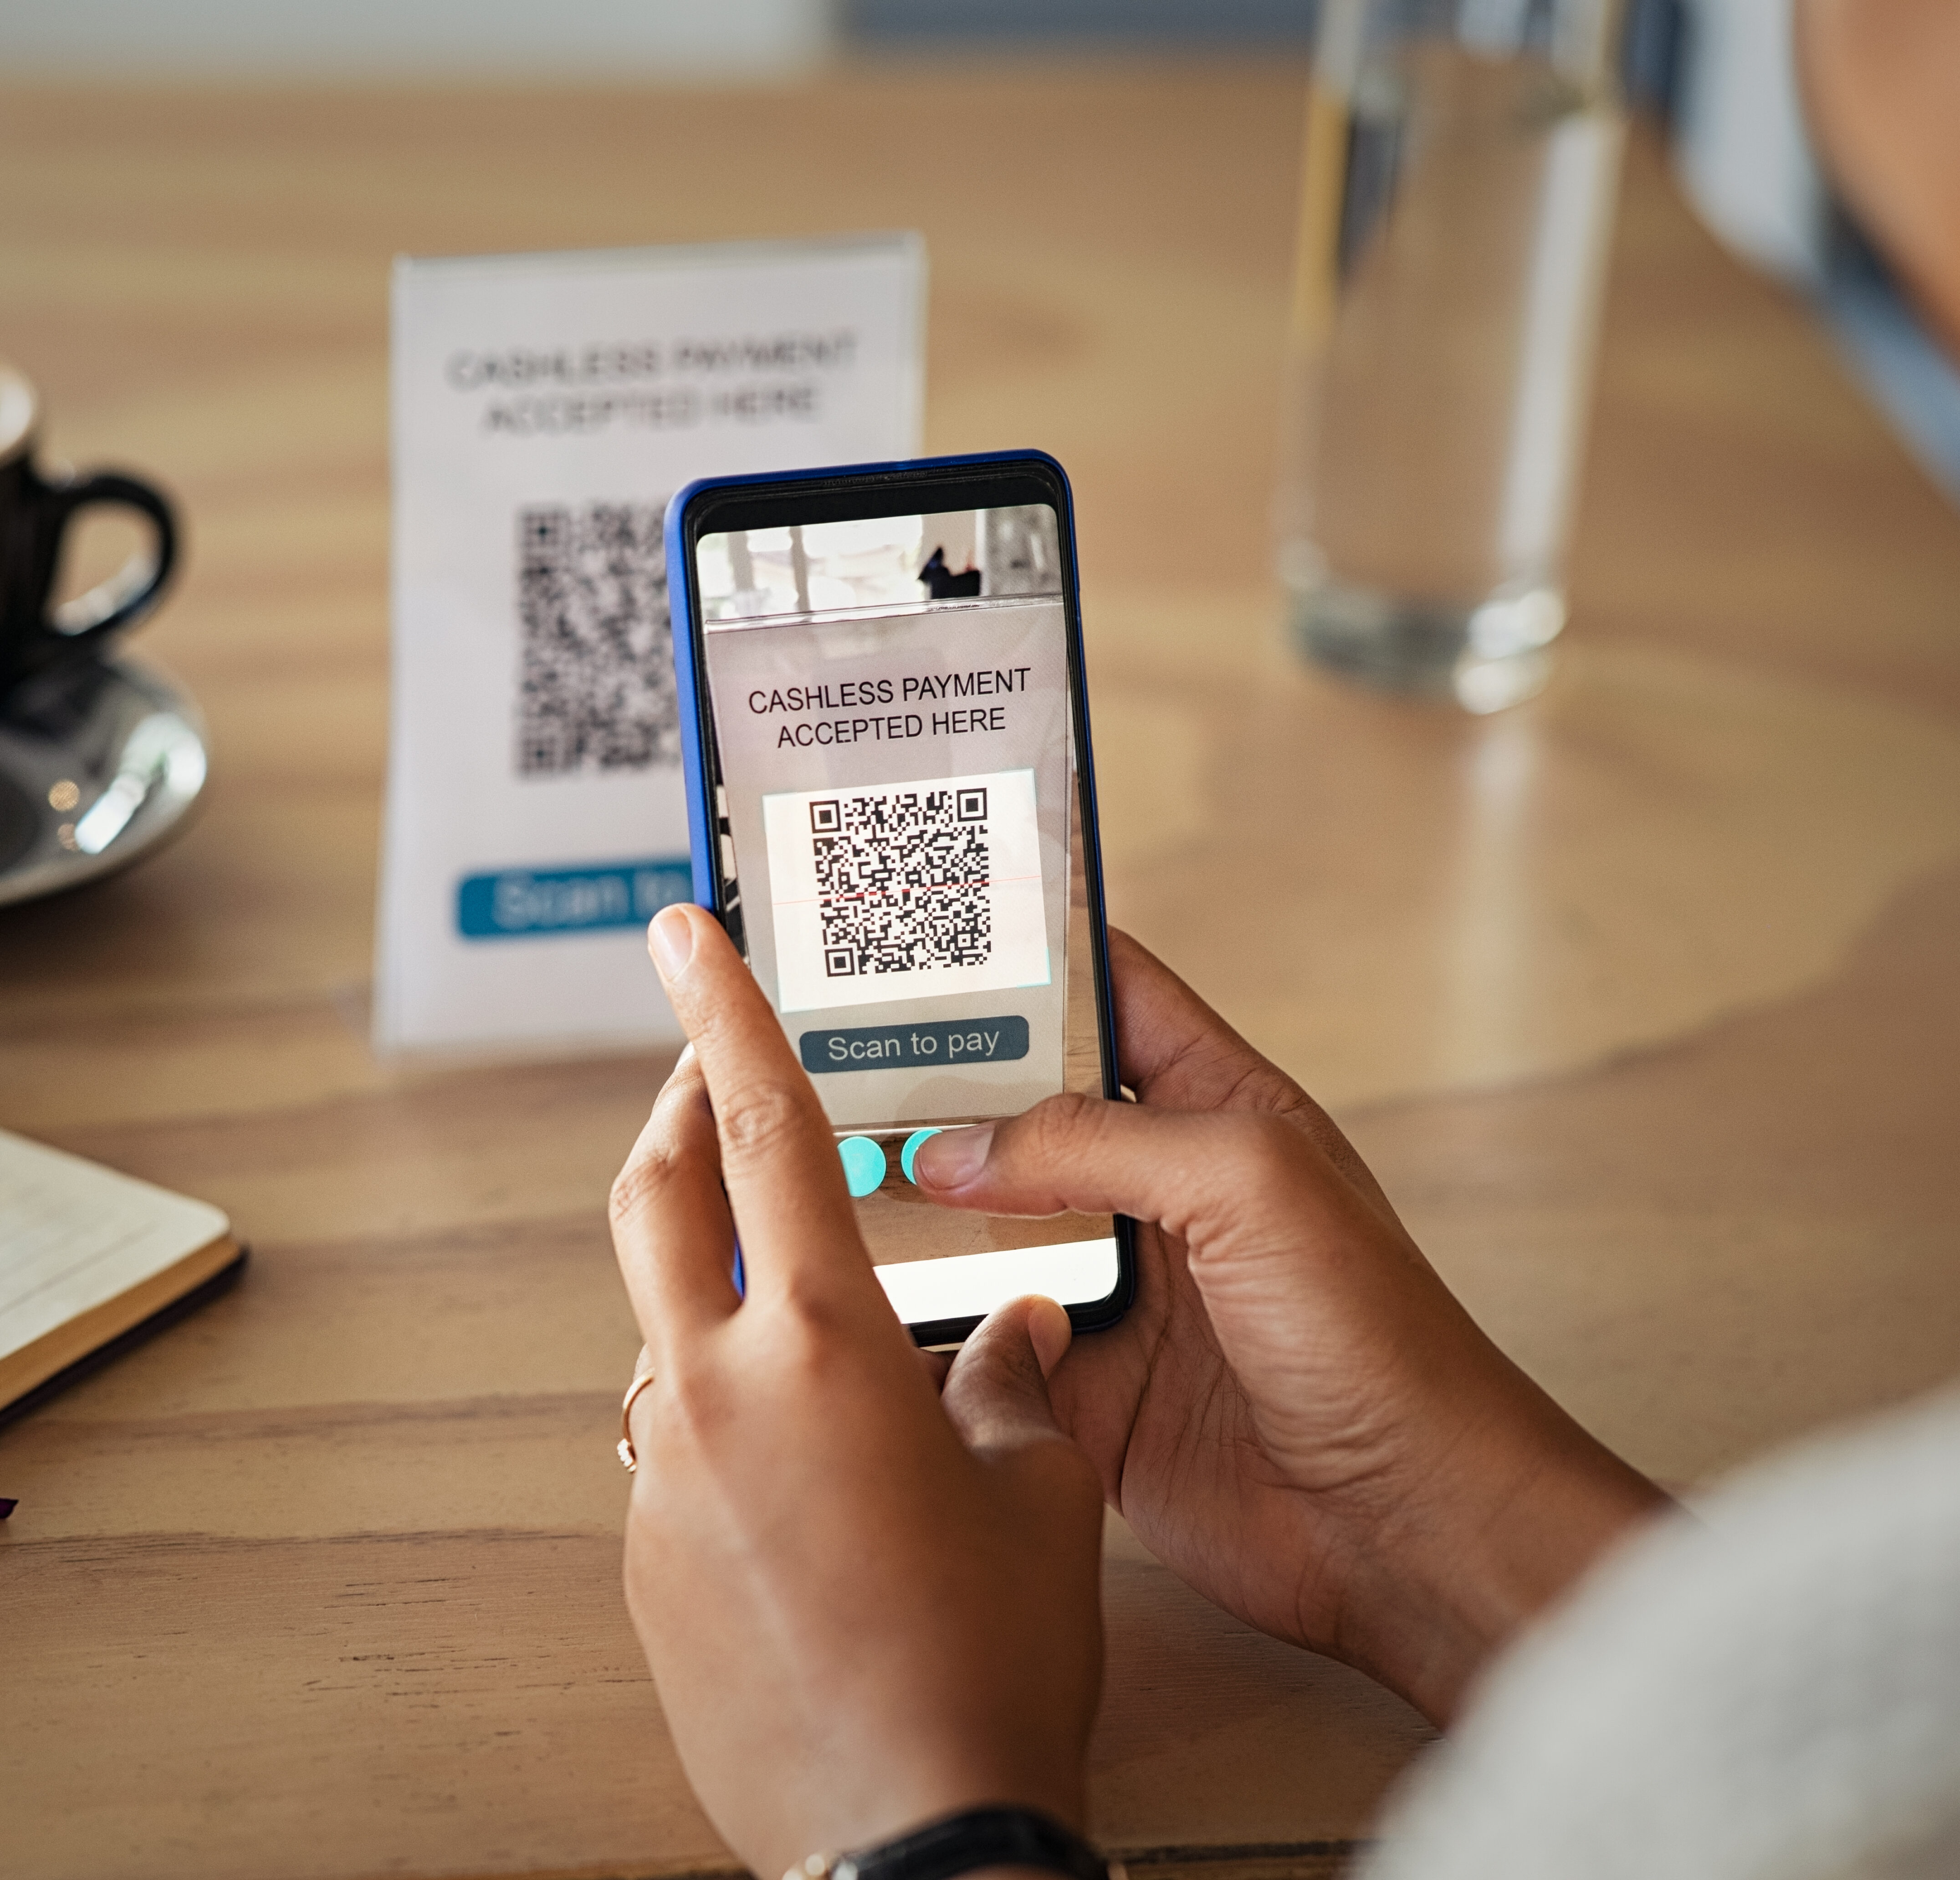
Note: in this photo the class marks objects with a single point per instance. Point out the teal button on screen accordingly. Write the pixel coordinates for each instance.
(864, 1165)
(909, 1154)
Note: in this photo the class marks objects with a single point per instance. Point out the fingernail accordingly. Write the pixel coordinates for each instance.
(671, 937)
(953, 1157)
(1049, 1332)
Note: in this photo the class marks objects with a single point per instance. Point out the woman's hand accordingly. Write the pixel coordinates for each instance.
(865, 1602)
(1295, 1415)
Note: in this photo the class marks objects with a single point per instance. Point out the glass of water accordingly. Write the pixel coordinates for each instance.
(1462, 159)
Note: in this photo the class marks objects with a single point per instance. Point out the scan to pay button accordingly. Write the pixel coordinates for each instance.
(945, 1044)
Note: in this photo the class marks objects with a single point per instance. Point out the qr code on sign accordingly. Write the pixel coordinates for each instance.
(901, 881)
(597, 687)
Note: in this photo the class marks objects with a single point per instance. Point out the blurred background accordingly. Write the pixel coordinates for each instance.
(1639, 997)
(1718, 74)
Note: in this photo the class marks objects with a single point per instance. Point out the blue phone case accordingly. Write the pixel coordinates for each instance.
(703, 824)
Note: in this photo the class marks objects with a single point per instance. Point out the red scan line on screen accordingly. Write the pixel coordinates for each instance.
(940, 887)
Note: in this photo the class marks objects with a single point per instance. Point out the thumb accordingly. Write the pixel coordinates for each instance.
(997, 1392)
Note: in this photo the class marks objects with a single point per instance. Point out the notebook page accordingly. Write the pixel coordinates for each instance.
(74, 1235)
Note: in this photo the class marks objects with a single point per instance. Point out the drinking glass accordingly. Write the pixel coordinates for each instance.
(1461, 162)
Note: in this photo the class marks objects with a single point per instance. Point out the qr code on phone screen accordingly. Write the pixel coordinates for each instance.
(925, 888)
(902, 880)
(596, 691)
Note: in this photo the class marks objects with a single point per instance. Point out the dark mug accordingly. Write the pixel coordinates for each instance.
(36, 509)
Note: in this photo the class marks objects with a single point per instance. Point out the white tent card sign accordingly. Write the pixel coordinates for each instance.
(544, 408)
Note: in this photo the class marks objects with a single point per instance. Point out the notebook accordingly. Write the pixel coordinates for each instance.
(90, 1262)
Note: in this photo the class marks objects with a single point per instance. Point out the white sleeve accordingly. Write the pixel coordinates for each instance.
(1774, 1695)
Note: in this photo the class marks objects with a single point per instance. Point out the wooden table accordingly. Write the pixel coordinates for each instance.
(1640, 998)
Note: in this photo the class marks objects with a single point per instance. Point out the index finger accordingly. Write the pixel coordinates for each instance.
(779, 1161)
(670, 1227)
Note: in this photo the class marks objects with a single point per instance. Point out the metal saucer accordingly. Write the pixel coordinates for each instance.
(100, 763)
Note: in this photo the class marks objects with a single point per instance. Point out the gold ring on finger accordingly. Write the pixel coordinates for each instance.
(628, 1455)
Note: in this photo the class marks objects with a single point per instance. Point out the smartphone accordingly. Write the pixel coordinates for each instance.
(892, 810)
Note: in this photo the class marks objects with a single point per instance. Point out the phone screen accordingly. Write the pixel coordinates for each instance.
(895, 703)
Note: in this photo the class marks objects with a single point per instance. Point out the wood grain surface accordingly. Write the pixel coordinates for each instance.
(1640, 998)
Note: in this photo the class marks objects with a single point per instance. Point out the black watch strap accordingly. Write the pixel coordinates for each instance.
(963, 1843)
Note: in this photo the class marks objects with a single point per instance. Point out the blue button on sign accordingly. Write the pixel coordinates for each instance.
(520, 903)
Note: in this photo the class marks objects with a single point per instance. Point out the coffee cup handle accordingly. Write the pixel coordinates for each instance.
(129, 594)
